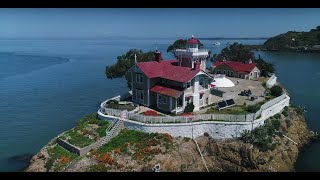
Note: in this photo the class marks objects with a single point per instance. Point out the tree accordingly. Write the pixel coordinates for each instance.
(125, 62)
(276, 90)
(235, 52)
(239, 52)
(180, 44)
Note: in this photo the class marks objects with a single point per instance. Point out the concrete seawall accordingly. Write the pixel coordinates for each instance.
(216, 129)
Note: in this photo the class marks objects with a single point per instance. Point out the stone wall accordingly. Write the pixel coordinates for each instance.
(216, 129)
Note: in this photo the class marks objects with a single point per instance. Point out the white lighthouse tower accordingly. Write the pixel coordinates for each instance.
(192, 54)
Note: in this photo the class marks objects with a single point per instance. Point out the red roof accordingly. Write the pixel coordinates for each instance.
(239, 67)
(166, 91)
(193, 41)
(166, 70)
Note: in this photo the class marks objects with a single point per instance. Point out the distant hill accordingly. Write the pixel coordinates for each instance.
(293, 41)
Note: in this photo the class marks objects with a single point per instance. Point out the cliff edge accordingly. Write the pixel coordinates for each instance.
(137, 151)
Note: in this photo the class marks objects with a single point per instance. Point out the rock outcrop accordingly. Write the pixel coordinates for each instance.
(220, 155)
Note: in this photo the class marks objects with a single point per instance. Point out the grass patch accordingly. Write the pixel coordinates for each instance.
(78, 139)
(141, 146)
(231, 110)
(87, 131)
(59, 158)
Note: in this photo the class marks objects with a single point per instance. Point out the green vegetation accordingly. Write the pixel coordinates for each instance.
(59, 158)
(299, 109)
(88, 126)
(231, 110)
(136, 143)
(114, 104)
(277, 116)
(276, 91)
(253, 108)
(261, 136)
(276, 124)
(77, 139)
(239, 52)
(293, 41)
(125, 62)
(180, 44)
(189, 108)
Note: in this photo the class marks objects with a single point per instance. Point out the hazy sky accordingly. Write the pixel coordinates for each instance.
(50, 23)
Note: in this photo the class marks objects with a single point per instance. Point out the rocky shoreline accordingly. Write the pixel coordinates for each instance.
(220, 155)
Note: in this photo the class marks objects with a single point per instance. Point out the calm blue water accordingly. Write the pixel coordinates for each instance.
(47, 85)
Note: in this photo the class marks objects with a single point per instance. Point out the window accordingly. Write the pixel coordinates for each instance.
(139, 78)
(139, 95)
(188, 84)
(201, 96)
(224, 72)
(219, 72)
(250, 74)
(162, 99)
(179, 102)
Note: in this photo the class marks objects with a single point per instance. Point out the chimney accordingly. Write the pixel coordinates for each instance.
(158, 56)
(250, 61)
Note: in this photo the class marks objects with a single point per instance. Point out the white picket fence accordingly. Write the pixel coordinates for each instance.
(179, 119)
(193, 118)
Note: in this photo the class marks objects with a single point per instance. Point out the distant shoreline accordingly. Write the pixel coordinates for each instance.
(222, 38)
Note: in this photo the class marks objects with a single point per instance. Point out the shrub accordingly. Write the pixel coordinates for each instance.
(106, 158)
(276, 124)
(246, 136)
(253, 108)
(285, 113)
(300, 110)
(114, 104)
(264, 84)
(189, 108)
(277, 116)
(276, 90)
(150, 113)
(64, 159)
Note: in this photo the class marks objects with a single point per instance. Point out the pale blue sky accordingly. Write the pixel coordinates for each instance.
(172, 22)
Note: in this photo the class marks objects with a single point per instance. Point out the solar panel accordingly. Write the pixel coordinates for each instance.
(230, 102)
(222, 104)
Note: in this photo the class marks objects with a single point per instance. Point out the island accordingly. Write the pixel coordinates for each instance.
(292, 41)
(181, 115)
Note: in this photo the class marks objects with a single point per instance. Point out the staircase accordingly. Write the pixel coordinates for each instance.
(113, 130)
